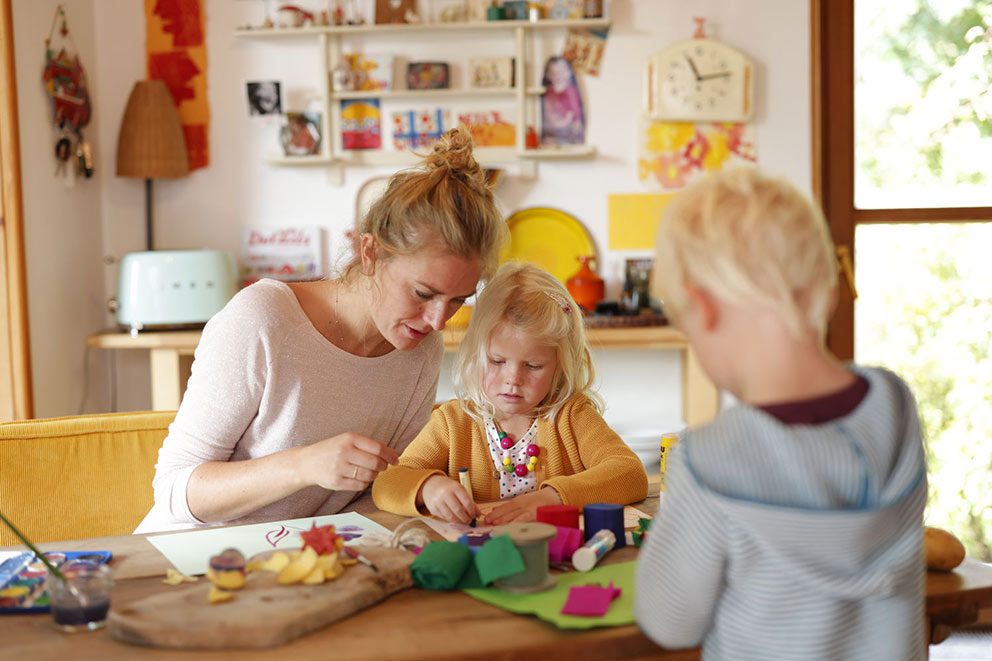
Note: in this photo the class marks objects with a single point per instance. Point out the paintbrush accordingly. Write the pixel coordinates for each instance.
(361, 558)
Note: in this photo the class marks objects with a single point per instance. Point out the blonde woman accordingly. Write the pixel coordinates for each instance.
(302, 393)
(526, 424)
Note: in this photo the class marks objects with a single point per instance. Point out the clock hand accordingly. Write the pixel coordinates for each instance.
(695, 71)
(722, 74)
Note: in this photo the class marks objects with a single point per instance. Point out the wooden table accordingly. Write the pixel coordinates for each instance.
(413, 624)
(172, 355)
(418, 624)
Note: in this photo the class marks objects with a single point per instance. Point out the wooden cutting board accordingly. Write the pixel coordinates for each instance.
(263, 613)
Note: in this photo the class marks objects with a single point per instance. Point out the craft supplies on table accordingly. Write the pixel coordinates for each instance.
(566, 516)
(548, 605)
(264, 613)
(586, 557)
(563, 545)
(668, 441)
(22, 578)
(590, 600)
(605, 516)
(190, 551)
(531, 541)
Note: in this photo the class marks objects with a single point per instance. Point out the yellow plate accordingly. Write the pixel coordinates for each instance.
(549, 238)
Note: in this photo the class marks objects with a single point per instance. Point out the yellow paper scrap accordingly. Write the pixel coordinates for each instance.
(218, 596)
(633, 219)
(173, 577)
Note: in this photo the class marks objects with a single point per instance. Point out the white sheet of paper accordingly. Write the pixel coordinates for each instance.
(190, 551)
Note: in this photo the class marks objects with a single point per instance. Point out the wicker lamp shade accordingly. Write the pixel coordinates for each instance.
(151, 144)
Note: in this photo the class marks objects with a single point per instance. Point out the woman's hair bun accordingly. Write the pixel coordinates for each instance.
(453, 150)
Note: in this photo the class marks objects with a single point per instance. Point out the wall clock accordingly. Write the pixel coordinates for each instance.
(700, 79)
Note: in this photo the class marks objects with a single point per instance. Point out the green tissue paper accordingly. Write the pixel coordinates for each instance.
(440, 565)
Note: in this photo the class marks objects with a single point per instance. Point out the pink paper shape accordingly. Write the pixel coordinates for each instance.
(590, 600)
(563, 545)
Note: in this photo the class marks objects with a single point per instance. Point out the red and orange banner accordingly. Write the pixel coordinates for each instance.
(177, 55)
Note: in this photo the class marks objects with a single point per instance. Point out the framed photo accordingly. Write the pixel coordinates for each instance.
(451, 11)
(416, 129)
(564, 9)
(427, 76)
(360, 124)
(370, 72)
(395, 11)
(489, 128)
(264, 97)
(300, 135)
(491, 72)
(515, 10)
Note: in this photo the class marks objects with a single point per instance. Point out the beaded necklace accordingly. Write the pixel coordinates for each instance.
(506, 443)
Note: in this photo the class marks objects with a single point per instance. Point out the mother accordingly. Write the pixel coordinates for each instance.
(302, 393)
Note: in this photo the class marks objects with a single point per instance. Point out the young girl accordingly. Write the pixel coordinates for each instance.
(526, 424)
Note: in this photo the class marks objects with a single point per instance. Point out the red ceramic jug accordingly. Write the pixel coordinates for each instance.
(585, 286)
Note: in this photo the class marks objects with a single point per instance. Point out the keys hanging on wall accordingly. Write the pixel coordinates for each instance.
(65, 82)
(84, 155)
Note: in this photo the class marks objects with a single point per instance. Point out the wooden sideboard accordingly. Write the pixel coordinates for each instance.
(172, 355)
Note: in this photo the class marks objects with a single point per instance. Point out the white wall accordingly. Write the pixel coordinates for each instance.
(238, 190)
(63, 234)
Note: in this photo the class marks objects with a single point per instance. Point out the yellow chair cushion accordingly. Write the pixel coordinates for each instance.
(81, 476)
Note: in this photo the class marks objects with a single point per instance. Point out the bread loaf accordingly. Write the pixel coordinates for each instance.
(943, 550)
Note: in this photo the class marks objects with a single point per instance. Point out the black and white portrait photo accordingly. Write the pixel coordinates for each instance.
(264, 98)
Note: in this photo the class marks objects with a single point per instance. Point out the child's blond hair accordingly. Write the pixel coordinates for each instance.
(533, 301)
(748, 238)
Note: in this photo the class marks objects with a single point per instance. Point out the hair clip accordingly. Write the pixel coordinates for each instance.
(560, 300)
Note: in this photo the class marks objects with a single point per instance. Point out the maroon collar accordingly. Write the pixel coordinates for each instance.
(819, 410)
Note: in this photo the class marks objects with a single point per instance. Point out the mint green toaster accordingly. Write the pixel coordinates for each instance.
(164, 289)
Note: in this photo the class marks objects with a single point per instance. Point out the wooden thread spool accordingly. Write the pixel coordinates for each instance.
(531, 540)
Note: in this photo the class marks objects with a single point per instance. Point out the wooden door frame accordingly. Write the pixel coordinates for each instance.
(16, 349)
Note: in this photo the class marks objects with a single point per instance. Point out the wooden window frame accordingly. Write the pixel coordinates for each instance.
(832, 77)
(16, 401)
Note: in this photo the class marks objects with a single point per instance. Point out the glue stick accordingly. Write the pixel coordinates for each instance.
(668, 441)
(586, 557)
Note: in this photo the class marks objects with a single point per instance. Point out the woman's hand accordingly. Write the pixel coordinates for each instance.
(346, 462)
(448, 500)
(523, 508)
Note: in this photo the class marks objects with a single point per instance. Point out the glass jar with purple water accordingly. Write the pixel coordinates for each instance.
(81, 601)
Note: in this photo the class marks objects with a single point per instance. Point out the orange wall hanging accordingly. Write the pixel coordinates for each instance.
(177, 55)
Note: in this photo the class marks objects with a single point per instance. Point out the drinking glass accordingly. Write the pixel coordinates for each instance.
(82, 600)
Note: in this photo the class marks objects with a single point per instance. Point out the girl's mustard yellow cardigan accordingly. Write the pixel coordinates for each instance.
(581, 457)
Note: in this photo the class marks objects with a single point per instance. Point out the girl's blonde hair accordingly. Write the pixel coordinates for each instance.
(533, 301)
(447, 199)
(749, 238)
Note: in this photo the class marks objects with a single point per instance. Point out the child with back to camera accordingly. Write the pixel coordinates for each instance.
(526, 423)
(791, 526)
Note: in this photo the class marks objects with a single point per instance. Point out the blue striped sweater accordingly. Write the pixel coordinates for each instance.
(792, 542)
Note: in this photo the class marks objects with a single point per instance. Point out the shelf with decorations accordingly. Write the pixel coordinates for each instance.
(519, 149)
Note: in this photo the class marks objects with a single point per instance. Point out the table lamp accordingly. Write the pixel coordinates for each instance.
(151, 144)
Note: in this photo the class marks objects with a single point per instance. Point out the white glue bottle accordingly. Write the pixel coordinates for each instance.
(586, 557)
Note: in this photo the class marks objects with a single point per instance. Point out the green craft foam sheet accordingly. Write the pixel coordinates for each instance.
(547, 605)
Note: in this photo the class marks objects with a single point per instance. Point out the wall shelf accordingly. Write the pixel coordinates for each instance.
(335, 158)
(400, 28)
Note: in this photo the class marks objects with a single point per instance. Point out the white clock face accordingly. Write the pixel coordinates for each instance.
(702, 79)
